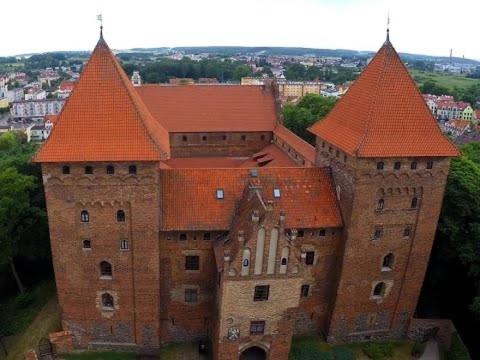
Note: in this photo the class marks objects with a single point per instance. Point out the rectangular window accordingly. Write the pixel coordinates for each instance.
(378, 233)
(304, 290)
(192, 262)
(322, 232)
(220, 194)
(261, 293)
(257, 327)
(309, 259)
(206, 236)
(124, 244)
(276, 192)
(191, 295)
(183, 237)
(300, 233)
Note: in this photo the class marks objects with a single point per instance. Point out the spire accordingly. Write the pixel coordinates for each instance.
(388, 28)
(100, 19)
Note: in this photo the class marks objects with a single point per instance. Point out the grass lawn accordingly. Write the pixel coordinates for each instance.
(447, 80)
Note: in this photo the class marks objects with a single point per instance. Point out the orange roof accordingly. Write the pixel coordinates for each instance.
(210, 108)
(104, 119)
(300, 145)
(384, 115)
(189, 196)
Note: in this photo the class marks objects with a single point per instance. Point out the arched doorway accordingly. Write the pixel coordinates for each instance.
(253, 353)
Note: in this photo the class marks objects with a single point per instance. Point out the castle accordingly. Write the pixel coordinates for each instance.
(179, 213)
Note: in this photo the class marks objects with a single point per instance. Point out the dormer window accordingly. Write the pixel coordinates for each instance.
(276, 192)
(219, 194)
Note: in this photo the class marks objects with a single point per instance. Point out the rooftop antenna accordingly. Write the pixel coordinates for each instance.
(100, 19)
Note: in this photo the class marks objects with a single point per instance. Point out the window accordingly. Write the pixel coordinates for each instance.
(430, 164)
(110, 170)
(204, 138)
(244, 137)
(84, 217)
(206, 236)
(323, 144)
(183, 237)
(246, 262)
(66, 170)
(322, 232)
(397, 165)
(224, 137)
(413, 165)
(380, 165)
(121, 216)
(105, 269)
(192, 262)
(414, 203)
(276, 192)
(388, 261)
(344, 158)
(219, 194)
(257, 327)
(262, 137)
(107, 301)
(191, 295)
(330, 149)
(87, 244)
(379, 289)
(124, 244)
(337, 153)
(380, 204)
(304, 290)
(132, 169)
(378, 233)
(407, 232)
(310, 257)
(88, 170)
(300, 233)
(261, 293)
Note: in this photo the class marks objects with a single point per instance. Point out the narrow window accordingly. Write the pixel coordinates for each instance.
(132, 169)
(105, 269)
(192, 262)
(345, 158)
(184, 138)
(87, 244)
(304, 290)
(66, 170)
(191, 295)
(430, 164)
(388, 261)
(244, 137)
(219, 194)
(322, 232)
(224, 137)
(378, 234)
(397, 165)
(88, 170)
(380, 204)
(124, 244)
(413, 165)
(276, 192)
(323, 144)
(110, 170)
(121, 216)
(262, 137)
(379, 289)
(407, 232)
(380, 165)
(204, 138)
(414, 203)
(246, 263)
(107, 301)
(206, 236)
(84, 216)
(330, 149)
(337, 153)
(310, 257)
(183, 237)
(300, 233)
(284, 261)
(261, 293)
(257, 327)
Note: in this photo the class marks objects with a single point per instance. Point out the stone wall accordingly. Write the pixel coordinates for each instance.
(419, 328)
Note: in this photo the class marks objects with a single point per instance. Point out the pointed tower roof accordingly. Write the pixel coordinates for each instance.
(384, 115)
(104, 119)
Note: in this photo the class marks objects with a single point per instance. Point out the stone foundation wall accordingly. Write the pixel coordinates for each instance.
(421, 327)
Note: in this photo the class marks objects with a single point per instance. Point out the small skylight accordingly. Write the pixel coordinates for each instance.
(276, 192)
(219, 193)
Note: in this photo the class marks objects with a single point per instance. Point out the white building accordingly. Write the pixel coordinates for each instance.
(36, 109)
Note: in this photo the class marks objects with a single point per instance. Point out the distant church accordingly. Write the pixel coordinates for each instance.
(179, 213)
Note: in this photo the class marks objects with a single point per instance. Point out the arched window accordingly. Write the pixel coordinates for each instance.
(388, 261)
(105, 268)
(107, 301)
(121, 216)
(84, 216)
(246, 262)
(88, 170)
(284, 261)
(379, 289)
(380, 165)
(110, 170)
(414, 203)
(66, 169)
(380, 204)
(132, 169)
(87, 244)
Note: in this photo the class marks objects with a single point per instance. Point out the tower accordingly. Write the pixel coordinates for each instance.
(390, 162)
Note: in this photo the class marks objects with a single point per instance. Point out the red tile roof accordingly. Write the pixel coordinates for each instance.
(384, 115)
(190, 203)
(300, 145)
(104, 119)
(210, 108)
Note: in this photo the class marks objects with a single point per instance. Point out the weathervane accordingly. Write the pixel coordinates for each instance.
(100, 19)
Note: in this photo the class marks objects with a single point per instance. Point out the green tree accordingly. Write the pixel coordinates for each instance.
(241, 71)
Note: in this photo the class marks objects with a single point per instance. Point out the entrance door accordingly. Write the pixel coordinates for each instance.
(253, 353)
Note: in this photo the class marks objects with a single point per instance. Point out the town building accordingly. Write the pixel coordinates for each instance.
(136, 78)
(179, 213)
(36, 109)
(35, 93)
(65, 88)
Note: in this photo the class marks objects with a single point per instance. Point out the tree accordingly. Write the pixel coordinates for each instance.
(241, 71)
(432, 87)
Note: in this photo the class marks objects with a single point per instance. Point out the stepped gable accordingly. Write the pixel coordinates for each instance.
(210, 108)
(384, 115)
(104, 119)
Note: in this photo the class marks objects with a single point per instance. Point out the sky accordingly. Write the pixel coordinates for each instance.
(430, 27)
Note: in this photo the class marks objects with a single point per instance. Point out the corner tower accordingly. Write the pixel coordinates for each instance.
(390, 163)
